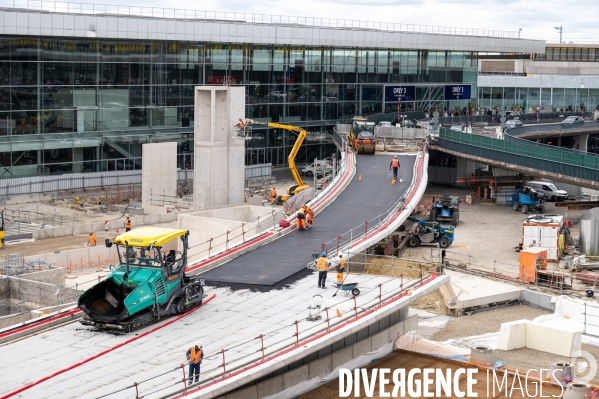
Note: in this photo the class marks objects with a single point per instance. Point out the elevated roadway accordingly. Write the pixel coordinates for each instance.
(516, 154)
(361, 200)
(82, 362)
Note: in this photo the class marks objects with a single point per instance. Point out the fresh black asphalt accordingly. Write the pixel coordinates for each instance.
(360, 201)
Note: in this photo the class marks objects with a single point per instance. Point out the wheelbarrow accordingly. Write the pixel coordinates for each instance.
(350, 287)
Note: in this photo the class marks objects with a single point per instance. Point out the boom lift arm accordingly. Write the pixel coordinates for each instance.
(301, 135)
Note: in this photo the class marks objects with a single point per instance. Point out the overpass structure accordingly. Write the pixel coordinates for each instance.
(517, 154)
(247, 335)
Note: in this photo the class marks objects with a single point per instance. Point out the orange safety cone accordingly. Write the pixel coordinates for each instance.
(393, 181)
(117, 231)
(338, 312)
(360, 177)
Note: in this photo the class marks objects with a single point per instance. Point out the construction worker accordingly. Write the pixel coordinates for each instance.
(341, 266)
(92, 239)
(394, 166)
(339, 278)
(309, 216)
(128, 224)
(322, 265)
(195, 354)
(273, 195)
(301, 218)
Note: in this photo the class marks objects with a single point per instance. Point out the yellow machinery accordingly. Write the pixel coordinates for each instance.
(361, 136)
(301, 135)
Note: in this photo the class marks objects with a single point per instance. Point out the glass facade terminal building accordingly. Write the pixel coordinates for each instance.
(82, 91)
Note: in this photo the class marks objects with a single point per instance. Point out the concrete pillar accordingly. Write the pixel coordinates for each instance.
(158, 176)
(580, 142)
(219, 152)
(77, 159)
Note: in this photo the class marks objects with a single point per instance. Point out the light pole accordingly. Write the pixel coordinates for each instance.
(519, 31)
(403, 119)
(560, 33)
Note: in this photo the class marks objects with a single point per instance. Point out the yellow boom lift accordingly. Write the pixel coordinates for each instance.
(301, 135)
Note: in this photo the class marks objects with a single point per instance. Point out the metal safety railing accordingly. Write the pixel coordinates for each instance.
(222, 364)
(522, 153)
(370, 227)
(220, 16)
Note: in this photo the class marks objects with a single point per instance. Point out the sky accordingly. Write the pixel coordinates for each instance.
(536, 18)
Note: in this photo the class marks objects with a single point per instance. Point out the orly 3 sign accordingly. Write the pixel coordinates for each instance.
(457, 92)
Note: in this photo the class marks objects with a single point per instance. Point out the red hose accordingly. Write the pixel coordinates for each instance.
(89, 359)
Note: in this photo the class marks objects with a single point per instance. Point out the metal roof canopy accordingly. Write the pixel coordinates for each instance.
(146, 236)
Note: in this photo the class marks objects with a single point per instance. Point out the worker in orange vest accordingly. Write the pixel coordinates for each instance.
(92, 239)
(309, 216)
(128, 224)
(273, 195)
(301, 219)
(195, 354)
(394, 166)
(322, 265)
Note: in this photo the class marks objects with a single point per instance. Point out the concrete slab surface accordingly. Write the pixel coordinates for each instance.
(232, 318)
(360, 201)
(478, 291)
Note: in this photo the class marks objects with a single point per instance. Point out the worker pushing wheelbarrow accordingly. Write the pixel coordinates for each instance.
(341, 277)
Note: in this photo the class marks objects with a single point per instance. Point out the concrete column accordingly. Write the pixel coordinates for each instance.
(580, 142)
(219, 152)
(158, 176)
(77, 159)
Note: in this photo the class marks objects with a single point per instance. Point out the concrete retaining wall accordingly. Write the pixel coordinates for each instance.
(85, 228)
(52, 276)
(538, 300)
(327, 362)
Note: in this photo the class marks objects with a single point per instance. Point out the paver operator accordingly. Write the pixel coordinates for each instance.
(194, 355)
(322, 265)
(394, 166)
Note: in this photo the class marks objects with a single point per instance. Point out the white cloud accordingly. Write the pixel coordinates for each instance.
(536, 18)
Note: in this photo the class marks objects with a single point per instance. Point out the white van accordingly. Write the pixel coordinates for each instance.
(549, 189)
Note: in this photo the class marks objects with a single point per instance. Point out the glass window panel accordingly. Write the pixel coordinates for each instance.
(279, 63)
(545, 98)
(382, 62)
(557, 97)
(533, 98)
(593, 99)
(497, 97)
(582, 96)
(569, 98)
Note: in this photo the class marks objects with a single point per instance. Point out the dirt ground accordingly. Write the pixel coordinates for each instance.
(432, 302)
(396, 267)
(486, 322)
(62, 243)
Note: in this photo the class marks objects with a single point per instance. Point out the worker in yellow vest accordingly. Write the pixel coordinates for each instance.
(322, 265)
(128, 224)
(195, 354)
(341, 266)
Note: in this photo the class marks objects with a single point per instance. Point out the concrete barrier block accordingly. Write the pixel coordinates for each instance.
(411, 323)
(380, 339)
(341, 357)
(270, 386)
(544, 301)
(320, 367)
(294, 377)
(248, 393)
(151, 219)
(362, 347)
(395, 329)
(83, 228)
(512, 335)
(560, 341)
